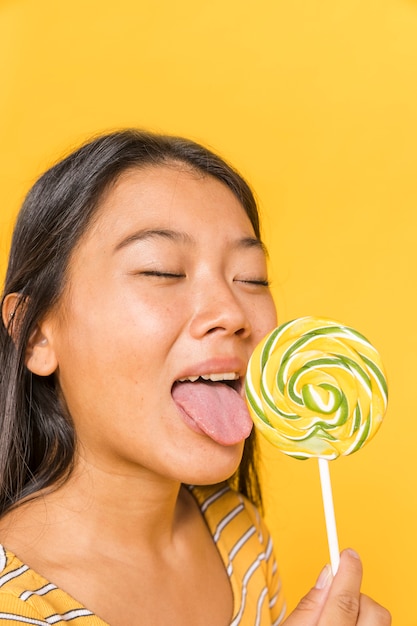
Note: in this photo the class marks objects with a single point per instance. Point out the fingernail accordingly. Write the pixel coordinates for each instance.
(352, 553)
(324, 578)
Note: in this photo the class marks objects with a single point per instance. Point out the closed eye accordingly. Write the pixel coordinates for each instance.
(162, 274)
(262, 283)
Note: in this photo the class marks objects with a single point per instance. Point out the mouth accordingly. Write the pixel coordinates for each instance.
(213, 403)
(231, 379)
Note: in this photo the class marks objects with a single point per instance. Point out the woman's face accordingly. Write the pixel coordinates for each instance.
(167, 286)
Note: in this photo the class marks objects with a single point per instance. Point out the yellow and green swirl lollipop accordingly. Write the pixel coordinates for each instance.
(316, 388)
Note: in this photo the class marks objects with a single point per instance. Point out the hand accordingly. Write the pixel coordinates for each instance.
(339, 600)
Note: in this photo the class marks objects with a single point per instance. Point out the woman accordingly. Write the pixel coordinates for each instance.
(135, 293)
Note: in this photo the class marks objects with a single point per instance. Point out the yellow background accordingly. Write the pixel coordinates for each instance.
(315, 101)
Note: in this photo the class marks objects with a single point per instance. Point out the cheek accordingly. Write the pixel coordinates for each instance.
(129, 338)
(265, 319)
(146, 308)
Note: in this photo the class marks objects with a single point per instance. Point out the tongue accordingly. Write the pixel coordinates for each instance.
(217, 409)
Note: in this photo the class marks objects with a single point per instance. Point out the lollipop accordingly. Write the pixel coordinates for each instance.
(317, 388)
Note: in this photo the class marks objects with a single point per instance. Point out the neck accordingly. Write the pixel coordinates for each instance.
(97, 508)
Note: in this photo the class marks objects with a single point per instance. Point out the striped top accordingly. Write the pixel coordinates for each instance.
(244, 545)
(246, 549)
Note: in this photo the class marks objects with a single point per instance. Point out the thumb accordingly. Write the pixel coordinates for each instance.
(308, 610)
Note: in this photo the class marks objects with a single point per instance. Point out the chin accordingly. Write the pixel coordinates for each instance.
(215, 467)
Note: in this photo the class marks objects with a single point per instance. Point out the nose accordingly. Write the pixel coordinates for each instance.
(217, 309)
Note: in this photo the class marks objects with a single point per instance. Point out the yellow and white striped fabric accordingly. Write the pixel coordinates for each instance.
(243, 543)
(27, 598)
(245, 546)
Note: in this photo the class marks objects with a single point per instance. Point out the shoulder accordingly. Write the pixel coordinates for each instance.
(16, 583)
(221, 497)
(25, 596)
(228, 510)
(246, 547)
(13, 574)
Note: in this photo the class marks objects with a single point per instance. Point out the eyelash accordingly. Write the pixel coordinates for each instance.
(261, 283)
(162, 274)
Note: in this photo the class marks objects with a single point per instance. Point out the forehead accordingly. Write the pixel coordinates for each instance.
(170, 194)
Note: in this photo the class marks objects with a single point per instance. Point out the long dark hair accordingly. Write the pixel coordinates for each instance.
(37, 437)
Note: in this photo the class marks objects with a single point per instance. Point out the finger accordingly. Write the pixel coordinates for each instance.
(308, 610)
(343, 601)
(372, 614)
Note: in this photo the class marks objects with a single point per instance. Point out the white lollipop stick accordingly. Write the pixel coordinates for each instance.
(326, 490)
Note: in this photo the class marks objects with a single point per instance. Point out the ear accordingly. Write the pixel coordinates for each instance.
(40, 357)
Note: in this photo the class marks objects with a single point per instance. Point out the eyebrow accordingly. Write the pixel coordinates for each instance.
(252, 242)
(181, 237)
(151, 233)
